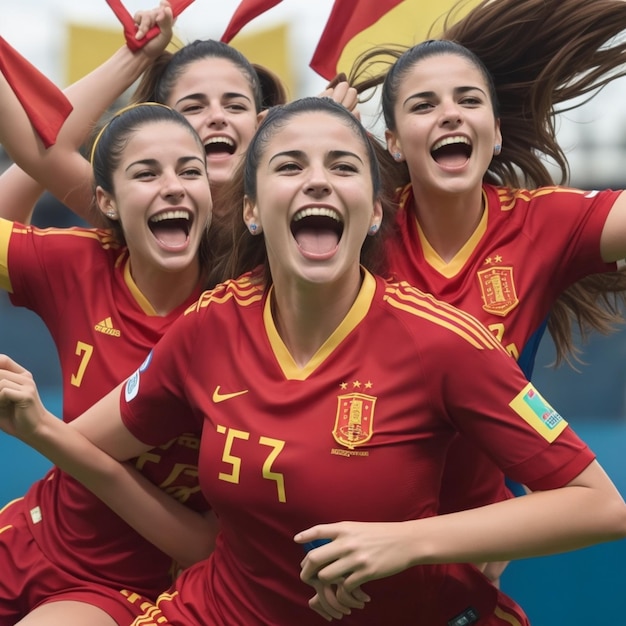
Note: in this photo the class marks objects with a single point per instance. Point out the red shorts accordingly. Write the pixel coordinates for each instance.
(459, 595)
(29, 579)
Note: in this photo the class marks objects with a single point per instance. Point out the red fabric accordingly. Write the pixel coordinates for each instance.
(44, 103)
(347, 19)
(246, 12)
(129, 24)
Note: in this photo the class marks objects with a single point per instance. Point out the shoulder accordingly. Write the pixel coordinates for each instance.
(434, 320)
(74, 236)
(555, 195)
(242, 293)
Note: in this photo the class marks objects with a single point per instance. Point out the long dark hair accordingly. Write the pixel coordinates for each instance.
(544, 57)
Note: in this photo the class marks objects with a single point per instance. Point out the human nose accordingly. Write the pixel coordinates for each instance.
(317, 183)
(215, 115)
(451, 113)
(172, 187)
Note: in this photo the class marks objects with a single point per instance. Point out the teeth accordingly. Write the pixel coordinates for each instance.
(171, 215)
(317, 211)
(226, 140)
(450, 140)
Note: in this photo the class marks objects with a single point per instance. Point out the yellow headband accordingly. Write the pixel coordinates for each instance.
(115, 116)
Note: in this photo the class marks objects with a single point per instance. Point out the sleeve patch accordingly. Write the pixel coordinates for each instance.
(533, 409)
(131, 388)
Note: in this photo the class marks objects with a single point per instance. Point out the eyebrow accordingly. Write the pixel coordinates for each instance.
(230, 95)
(457, 90)
(300, 154)
(155, 162)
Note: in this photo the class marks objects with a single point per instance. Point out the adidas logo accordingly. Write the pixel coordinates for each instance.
(106, 327)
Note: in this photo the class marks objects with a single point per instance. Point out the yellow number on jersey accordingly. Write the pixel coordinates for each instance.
(84, 351)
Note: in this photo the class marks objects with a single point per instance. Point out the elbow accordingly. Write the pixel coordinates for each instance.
(614, 519)
(202, 549)
(620, 520)
(199, 553)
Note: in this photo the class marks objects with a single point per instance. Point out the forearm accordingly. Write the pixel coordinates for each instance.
(62, 169)
(20, 193)
(93, 94)
(538, 524)
(180, 532)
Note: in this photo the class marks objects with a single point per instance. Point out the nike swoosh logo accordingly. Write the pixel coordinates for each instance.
(220, 397)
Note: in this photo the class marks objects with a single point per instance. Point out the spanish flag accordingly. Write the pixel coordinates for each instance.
(130, 28)
(44, 103)
(354, 26)
(246, 12)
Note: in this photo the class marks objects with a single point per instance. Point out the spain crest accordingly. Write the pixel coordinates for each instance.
(498, 290)
(355, 419)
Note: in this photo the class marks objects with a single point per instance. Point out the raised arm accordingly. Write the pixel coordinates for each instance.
(183, 534)
(61, 168)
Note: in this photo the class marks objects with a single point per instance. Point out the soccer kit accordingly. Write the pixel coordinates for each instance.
(78, 281)
(528, 248)
(359, 433)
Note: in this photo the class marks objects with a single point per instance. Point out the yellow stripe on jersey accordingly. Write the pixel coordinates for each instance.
(410, 299)
(509, 197)
(243, 290)
(105, 237)
(6, 228)
(533, 409)
(142, 301)
(507, 617)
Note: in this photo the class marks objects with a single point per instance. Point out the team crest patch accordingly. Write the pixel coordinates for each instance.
(498, 290)
(533, 409)
(355, 419)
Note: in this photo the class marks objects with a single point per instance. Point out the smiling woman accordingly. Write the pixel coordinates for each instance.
(481, 223)
(106, 296)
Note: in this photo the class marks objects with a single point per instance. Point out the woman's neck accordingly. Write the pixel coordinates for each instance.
(166, 291)
(306, 315)
(448, 220)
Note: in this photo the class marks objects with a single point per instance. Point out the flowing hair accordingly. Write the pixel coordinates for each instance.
(542, 57)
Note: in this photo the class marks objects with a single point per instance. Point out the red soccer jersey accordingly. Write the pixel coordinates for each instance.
(78, 281)
(528, 248)
(359, 433)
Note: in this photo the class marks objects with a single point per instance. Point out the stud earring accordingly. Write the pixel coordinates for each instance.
(373, 229)
(253, 228)
(497, 149)
(110, 214)
(397, 156)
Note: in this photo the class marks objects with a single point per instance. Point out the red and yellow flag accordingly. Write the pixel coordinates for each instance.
(246, 12)
(354, 26)
(130, 28)
(44, 103)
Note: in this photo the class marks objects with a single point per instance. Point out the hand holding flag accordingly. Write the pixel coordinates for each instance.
(130, 27)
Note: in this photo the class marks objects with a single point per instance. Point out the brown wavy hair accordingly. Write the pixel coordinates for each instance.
(538, 55)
